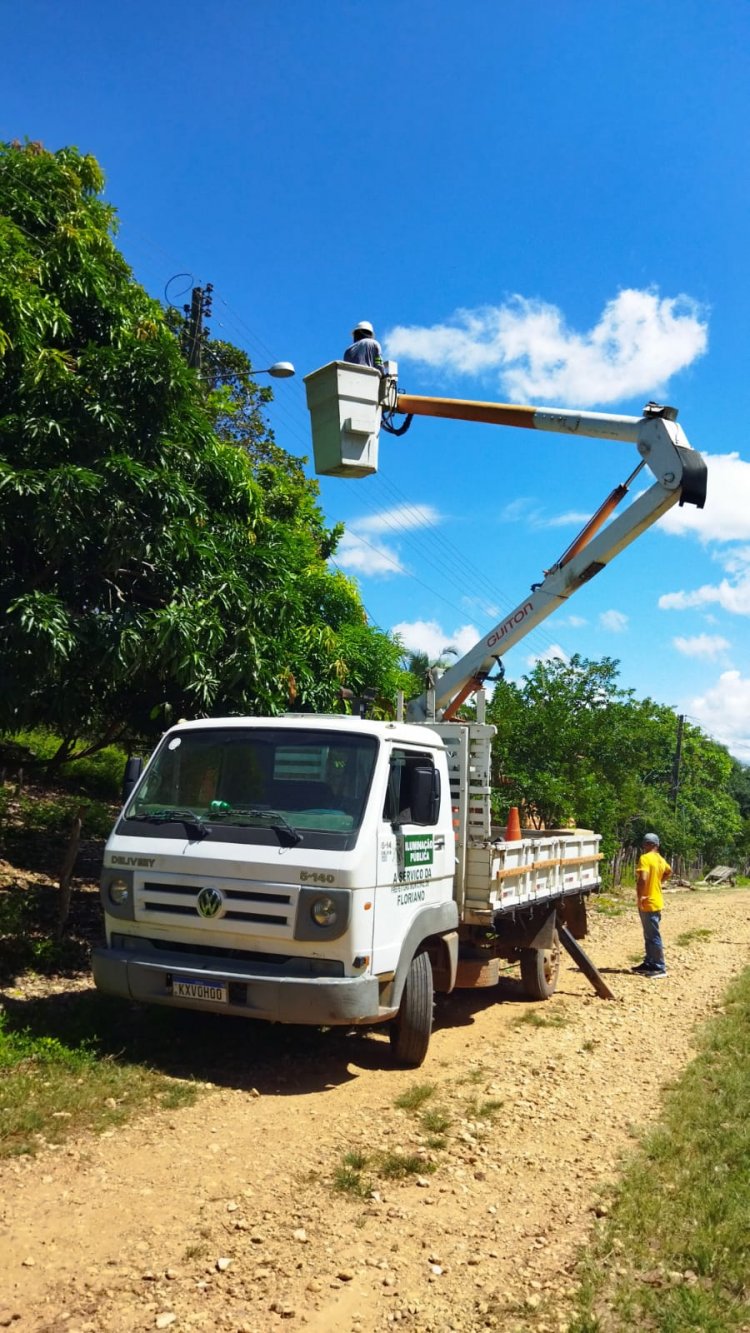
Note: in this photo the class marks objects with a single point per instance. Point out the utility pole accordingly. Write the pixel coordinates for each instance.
(675, 784)
(198, 310)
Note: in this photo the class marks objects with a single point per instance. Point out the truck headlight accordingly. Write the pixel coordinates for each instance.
(118, 892)
(323, 911)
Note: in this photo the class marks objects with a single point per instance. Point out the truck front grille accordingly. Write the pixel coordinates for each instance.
(268, 909)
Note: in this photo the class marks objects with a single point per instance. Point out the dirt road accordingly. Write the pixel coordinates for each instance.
(225, 1215)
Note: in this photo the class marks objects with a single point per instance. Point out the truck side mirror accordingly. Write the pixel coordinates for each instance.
(425, 794)
(133, 770)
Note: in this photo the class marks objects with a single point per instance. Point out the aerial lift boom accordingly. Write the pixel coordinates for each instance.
(349, 403)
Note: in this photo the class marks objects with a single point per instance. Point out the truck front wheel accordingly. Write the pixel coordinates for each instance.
(410, 1030)
(540, 969)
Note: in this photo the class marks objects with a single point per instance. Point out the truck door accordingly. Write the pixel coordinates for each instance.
(415, 860)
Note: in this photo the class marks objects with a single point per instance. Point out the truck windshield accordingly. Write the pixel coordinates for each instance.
(245, 777)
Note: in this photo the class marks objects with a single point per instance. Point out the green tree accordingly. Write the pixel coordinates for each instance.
(150, 567)
(573, 745)
(551, 746)
(416, 664)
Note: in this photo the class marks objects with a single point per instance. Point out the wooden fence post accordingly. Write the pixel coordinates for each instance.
(66, 873)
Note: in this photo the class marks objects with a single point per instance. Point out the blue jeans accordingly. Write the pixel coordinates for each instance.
(651, 922)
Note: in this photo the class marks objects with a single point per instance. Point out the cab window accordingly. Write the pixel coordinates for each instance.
(399, 797)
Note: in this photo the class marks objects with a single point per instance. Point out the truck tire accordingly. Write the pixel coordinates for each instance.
(540, 969)
(410, 1030)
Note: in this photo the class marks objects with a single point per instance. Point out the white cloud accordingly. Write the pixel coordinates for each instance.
(736, 560)
(572, 622)
(549, 655)
(615, 621)
(362, 549)
(726, 517)
(640, 340)
(402, 518)
(427, 636)
(566, 520)
(731, 593)
(709, 646)
(526, 509)
(724, 712)
(517, 509)
(372, 558)
(487, 610)
(733, 597)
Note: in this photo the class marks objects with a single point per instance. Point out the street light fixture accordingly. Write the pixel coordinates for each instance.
(281, 370)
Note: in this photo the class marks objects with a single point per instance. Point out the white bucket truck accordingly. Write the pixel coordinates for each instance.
(338, 870)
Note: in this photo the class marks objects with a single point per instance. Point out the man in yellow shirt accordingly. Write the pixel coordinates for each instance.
(653, 871)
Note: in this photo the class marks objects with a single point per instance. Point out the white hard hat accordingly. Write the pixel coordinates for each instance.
(364, 326)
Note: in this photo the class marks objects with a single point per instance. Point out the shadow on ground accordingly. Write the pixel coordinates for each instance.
(28, 938)
(224, 1050)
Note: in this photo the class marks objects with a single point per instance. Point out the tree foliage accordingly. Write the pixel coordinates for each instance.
(572, 745)
(161, 555)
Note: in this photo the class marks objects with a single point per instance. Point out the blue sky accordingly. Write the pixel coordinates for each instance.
(542, 202)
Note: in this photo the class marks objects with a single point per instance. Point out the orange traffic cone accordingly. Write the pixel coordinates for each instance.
(513, 830)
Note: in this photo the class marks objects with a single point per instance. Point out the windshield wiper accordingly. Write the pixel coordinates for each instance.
(237, 814)
(193, 823)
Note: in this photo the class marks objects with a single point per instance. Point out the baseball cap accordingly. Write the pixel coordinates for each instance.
(651, 837)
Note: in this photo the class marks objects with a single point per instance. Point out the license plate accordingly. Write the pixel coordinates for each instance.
(189, 988)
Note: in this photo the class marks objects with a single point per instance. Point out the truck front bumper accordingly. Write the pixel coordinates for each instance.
(317, 1001)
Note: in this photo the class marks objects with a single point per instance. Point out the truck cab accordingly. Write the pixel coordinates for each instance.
(282, 868)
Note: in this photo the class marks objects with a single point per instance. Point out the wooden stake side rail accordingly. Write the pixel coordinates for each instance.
(548, 865)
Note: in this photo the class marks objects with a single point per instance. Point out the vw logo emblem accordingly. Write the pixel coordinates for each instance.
(210, 902)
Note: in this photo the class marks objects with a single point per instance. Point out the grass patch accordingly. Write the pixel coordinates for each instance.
(357, 1174)
(397, 1166)
(689, 937)
(486, 1110)
(357, 1161)
(608, 906)
(348, 1181)
(476, 1075)
(50, 1089)
(414, 1097)
(535, 1018)
(680, 1214)
(435, 1120)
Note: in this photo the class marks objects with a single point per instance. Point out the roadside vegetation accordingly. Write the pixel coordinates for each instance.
(573, 745)
(52, 1089)
(672, 1253)
(41, 929)
(67, 1064)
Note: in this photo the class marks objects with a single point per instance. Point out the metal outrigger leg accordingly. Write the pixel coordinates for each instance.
(582, 960)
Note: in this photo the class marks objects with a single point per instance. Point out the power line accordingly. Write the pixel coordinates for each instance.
(429, 549)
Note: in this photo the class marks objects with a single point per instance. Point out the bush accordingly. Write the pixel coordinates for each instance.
(55, 815)
(98, 774)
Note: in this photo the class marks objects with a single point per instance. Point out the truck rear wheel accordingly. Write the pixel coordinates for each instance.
(410, 1030)
(540, 969)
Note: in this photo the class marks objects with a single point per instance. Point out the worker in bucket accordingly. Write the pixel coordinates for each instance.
(652, 873)
(365, 349)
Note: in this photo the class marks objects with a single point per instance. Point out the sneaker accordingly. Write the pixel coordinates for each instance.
(656, 972)
(642, 969)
